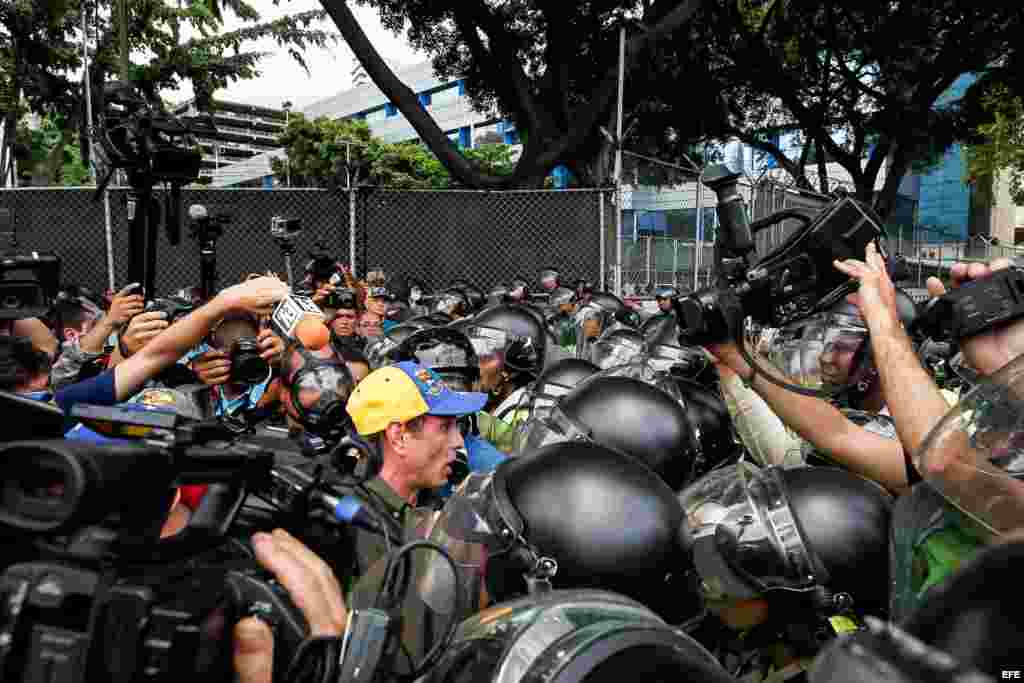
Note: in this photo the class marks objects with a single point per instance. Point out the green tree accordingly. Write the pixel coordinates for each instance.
(46, 143)
(330, 153)
(999, 152)
(40, 47)
(861, 81)
(551, 67)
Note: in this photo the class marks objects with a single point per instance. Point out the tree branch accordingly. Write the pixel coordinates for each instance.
(405, 99)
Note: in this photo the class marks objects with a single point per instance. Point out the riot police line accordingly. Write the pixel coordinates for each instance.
(761, 481)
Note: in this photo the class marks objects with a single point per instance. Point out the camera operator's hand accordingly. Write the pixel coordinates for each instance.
(257, 296)
(142, 328)
(322, 293)
(125, 306)
(213, 368)
(271, 346)
(990, 351)
(311, 586)
(876, 297)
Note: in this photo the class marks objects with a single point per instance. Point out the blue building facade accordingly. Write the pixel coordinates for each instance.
(944, 207)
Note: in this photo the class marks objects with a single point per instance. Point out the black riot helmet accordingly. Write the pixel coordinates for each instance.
(452, 302)
(573, 515)
(626, 415)
(474, 295)
(712, 425)
(447, 352)
(380, 351)
(573, 636)
(806, 532)
(829, 351)
(554, 382)
(527, 336)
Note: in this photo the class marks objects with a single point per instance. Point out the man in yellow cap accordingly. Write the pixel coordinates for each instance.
(410, 417)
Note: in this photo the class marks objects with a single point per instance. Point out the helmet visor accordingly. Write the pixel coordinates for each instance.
(743, 536)
(823, 352)
(470, 528)
(974, 457)
(553, 427)
(607, 353)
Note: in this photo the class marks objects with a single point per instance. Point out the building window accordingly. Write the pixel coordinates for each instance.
(444, 97)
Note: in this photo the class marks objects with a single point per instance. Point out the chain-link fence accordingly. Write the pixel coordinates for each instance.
(487, 237)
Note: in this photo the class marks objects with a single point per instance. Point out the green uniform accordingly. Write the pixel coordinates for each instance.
(501, 433)
(930, 539)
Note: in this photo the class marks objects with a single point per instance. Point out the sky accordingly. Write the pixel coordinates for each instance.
(282, 78)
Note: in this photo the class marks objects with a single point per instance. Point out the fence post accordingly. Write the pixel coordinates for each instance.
(675, 262)
(601, 228)
(618, 239)
(352, 230)
(649, 259)
(110, 240)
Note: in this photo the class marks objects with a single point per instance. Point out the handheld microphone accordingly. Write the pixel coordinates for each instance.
(297, 318)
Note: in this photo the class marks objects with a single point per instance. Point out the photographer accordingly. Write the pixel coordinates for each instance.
(85, 338)
(214, 364)
(168, 346)
(932, 535)
(869, 450)
(312, 587)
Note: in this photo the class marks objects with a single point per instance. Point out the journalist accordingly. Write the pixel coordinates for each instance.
(233, 393)
(961, 499)
(312, 587)
(165, 348)
(868, 450)
(85, 344)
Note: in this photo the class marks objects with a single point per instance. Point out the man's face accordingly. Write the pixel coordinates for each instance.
(549, 283)
(431, 452)
(837, 359)
(73, 334)
(665, 304)
(370, 325)
(343, 322)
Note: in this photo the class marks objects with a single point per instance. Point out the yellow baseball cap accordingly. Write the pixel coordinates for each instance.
(402, 392)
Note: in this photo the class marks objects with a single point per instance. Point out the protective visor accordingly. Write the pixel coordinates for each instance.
(974, 456)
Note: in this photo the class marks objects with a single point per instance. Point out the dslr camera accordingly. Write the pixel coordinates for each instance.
(247, 366)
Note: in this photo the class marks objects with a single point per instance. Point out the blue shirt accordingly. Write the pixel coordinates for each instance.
(98, 390)
(223, 406)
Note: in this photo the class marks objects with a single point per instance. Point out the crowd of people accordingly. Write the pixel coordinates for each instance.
(691, 479)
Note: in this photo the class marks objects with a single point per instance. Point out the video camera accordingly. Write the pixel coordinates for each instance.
(789, 283)
(97, 595)
(29, 284)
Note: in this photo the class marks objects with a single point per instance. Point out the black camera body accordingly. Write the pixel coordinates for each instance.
(974, 307)
(68, 624)
(247, 366)
(339, 298)
(174, 307)
(285, 229)
(789, 283)
(29, 284)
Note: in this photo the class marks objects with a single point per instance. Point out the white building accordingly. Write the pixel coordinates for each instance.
(444, 99)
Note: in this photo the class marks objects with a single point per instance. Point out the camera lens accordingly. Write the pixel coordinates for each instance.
(247, 367)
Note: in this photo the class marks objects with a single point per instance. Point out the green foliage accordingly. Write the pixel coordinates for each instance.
(54, 157)
(320, 152)
(40, 50)
(1001, 152)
